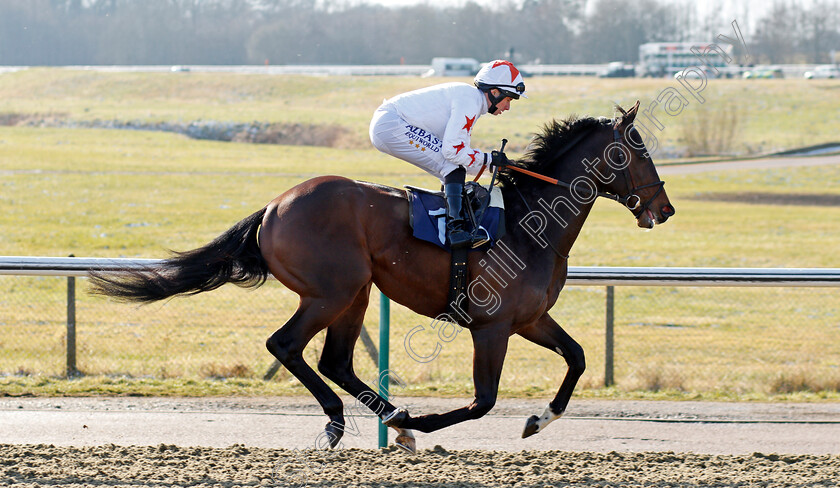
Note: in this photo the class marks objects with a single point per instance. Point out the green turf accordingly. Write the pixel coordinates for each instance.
(773, 114)
(108, 193)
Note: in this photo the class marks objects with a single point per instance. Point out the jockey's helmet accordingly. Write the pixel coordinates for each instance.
(502, 75)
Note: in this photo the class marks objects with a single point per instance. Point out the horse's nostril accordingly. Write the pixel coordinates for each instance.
(668, 211)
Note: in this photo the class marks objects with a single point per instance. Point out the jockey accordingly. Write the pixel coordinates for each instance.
(431, 128)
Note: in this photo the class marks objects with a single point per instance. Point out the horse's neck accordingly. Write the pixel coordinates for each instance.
(562, 215)
(553, 209)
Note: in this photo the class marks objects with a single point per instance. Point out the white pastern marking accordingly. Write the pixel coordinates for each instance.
(406, 432)
(547, 417)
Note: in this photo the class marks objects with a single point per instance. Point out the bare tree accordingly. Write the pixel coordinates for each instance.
(819, 31)
(56, 32)
(544, 30)
(616, 28)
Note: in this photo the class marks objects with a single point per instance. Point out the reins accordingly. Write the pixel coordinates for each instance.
(554, 181)
(563, 150)
(624, 200)
(632, 200)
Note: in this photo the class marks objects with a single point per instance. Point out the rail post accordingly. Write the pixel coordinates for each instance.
(71, 370)
(384, 351)
(609, 376)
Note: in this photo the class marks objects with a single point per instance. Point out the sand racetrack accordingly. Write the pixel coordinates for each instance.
(121, 442)
(170, 466)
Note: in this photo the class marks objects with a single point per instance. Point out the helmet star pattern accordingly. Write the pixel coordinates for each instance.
(513, 71)
(503, 76)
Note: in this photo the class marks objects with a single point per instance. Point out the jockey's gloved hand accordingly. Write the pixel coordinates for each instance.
(499, 159)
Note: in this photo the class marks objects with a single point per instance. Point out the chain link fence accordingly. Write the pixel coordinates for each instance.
(737, 340)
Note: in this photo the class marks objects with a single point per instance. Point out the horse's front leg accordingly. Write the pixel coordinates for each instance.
(547, 333)
(490, 347)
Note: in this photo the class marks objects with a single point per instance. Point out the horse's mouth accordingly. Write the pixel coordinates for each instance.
(646, 220)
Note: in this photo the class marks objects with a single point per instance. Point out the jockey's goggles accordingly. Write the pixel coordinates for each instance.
(512, 91)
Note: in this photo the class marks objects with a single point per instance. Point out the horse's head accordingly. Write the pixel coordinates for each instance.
(597, 157)
(636, 182)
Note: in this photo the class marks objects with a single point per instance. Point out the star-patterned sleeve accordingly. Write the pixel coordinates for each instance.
(456, 140)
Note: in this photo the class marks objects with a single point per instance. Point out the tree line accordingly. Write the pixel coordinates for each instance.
(233, 32)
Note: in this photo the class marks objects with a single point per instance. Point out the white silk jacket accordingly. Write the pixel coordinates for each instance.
(449, 111)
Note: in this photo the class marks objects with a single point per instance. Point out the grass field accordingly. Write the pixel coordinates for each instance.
(108, 193)
(773, 114)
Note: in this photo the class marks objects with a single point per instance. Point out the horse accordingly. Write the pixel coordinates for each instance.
(330, 239)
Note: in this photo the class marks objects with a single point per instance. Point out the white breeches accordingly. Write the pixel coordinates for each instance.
(392, 135)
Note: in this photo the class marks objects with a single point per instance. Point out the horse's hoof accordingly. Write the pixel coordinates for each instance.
(531, 426)
(407, 443)
(395, 418)
(334, 434)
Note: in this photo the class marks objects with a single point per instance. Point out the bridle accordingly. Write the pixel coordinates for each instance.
(632, 190)
(631, 199)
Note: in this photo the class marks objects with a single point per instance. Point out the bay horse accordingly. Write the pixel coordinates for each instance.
(330, 239)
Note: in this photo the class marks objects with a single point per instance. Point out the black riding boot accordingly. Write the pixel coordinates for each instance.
(456, 233)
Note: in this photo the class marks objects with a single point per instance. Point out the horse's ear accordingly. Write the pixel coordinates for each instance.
(628, 117)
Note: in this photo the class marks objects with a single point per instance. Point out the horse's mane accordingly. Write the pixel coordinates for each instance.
(543, 148)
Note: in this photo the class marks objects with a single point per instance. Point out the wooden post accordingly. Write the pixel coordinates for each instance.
(272, 370)
(71, 370)
(609, 376)
(370, 347)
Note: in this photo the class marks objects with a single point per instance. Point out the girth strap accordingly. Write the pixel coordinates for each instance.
(457, 285)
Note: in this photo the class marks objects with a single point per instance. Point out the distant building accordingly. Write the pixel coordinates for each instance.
(664, 59)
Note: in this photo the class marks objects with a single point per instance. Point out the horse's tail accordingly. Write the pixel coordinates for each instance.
(233, 257)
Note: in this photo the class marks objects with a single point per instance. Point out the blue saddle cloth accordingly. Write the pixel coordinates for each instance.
(428, 218)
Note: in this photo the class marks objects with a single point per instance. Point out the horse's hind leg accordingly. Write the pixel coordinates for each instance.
(336, 363)
(287, 344)
(548, 333)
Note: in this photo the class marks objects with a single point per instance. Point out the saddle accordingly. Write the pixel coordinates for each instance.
(427, 215)
(484, 217)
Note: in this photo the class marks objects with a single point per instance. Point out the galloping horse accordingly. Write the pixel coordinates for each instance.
(330, 239)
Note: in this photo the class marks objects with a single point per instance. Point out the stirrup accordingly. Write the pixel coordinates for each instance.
(456, 235)
(480, 237)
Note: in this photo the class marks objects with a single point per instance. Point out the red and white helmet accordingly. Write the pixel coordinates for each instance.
(502, 75)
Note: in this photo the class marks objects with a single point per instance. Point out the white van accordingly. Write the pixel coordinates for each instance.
(824, 71)
(453, 67)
